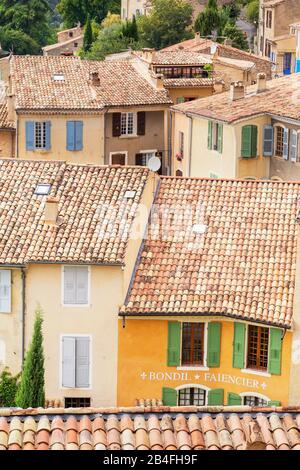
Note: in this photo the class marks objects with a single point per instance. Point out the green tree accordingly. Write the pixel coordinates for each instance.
(129, 29)
(168, 23)
(110, 40)
(233, 32)
(88, 36)
(74, 11)
(252, 11)
(18, 42)
(31, 392)
(8, 388)
(208, 21)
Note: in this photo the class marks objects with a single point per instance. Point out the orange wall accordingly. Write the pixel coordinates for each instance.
(143, 350)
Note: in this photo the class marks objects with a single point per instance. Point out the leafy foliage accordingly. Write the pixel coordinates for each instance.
(88, 36)
(18, 42)
(168, 23)
(74, 11)
(252, 11)
(231, 31)
(31, 392)
(208, 21)
(8, 388)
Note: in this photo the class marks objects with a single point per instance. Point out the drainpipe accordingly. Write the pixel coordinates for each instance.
(23, 311)
(190, 144)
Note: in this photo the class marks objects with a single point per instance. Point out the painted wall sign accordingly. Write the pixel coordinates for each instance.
(202, 377)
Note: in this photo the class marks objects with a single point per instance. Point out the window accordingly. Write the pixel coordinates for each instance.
(192, 396)
(38, 135)
(118, 158)
(75, 285)
(128, 123)
(74, 135)
(77, 402)
(42, 189)
(192, 350)
(215, 136)
(76, 362)
(254, 401)
(145, 157)
(70, 34)
(268, 49)
(5, 291)
(269, 19)
(249, 141)
(58, 77)
(279, 141)
(181, 145)
(258, 347)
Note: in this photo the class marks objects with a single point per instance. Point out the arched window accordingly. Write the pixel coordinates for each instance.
(179, 173)
(252, 399)
(192, 396)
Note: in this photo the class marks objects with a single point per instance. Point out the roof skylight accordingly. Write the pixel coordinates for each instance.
(42, 189)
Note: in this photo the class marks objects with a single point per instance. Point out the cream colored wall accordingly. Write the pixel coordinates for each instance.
(180, 123)
(6, 144)
(294, 396)
(93, 139)
(229, 74)
(99, 320)
(195, 93)
(130, 7)
(11, 328)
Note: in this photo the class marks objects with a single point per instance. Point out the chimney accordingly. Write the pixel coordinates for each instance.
(261, 82)
(10, 99)
(51, 210)
(159, 81)
(94, 78)
(147, 54)
(197, 35)
(219, 86)
(237, 91)
(254, 440)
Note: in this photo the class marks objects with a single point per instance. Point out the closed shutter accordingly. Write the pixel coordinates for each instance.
(210, 132)
(253, 141)
(141, 123)
(116, 124)
(274, 403)
(294, 145)
(30, 135)
(69, 285)
(169, 397)
(234, 399)
(68, 362)
(82, 279)
(140, 159)
(215, 397)
(48, 135)
(213, 344)
(275, 351)
(239, 345)
(5, 291)
(118, 159)
(174, 336)
(246, 141)
(268, 141)
(285, 153)
(82, 362)
(220, 138)
(71, 135)
(78, 135)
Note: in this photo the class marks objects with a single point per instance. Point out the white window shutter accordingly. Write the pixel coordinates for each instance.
(69, 294)
(82, 362)
(5, 291)
(82, 280)
(286, 144)
(68, 362)
(268, 141)
(294, 145)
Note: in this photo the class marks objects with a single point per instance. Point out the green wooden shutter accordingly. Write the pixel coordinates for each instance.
(246, 142)
(169, 397)
(216, 397)
(274, 403)
(220, 138)
(239, 345)
(253, 141)
(234, 399)
(213, 344)
(275, 351)
(174, 334)
(210, 132)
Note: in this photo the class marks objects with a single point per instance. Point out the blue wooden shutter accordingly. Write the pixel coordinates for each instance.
(68, 362)
(294, 145)
(5, 291)
(169, 397)
(78, 135)
(48, 135)
(82, 371)
(268, 141)
(286, 144)
(30, 135)
(70, 135)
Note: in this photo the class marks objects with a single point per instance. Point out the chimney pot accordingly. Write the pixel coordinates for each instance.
(51, 210)
(95, 79)
(261, 82)
(237, 91)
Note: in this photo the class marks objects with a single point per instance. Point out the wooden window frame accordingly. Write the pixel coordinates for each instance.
(279, 152)
(260, 352)
(40, 138)
(122, 152)
(191, 362)
(191, 390)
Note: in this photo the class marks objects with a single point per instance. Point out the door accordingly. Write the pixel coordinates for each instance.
(287, 63)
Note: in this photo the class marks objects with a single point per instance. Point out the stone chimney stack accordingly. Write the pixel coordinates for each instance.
(261, 82)
(219, 86)
(159, 81)
(94, 78)
(51, 211)
(237, 91)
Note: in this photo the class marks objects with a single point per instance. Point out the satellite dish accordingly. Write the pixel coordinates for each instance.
(154, 163)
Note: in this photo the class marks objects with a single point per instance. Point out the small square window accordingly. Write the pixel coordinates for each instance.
(129, 194)
(58, 77)
(42, 189)
(80, 402)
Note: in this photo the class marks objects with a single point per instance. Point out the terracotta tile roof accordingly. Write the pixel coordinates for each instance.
(4, 123)
(120, 84)
(217, 428)
(180, 58)
(241, 263)
(58, 45)
(188, 82)
(91, 205)
(278, 99)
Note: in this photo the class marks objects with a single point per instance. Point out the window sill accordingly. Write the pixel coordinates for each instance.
(256, 372)
(133, 136)
(196, 368)
(76, 305)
